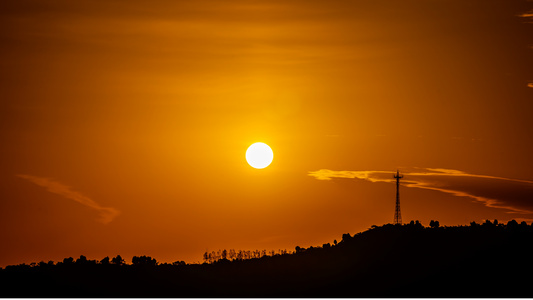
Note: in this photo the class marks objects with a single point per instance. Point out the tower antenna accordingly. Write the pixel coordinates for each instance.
(397, 213)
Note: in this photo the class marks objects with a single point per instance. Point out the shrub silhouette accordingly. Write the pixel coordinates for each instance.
(179, 263)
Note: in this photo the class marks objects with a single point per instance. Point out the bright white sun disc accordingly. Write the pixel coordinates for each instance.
(259, 155)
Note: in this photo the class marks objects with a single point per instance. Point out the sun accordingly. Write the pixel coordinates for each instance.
(259, 155)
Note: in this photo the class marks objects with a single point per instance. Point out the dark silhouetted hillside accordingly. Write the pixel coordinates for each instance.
(480, 260)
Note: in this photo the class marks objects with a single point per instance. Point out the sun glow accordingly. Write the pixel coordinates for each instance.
(259, 155)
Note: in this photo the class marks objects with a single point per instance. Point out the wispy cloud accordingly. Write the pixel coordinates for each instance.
(107, 214)
(512, 194)
(373, 176)
(528, 15)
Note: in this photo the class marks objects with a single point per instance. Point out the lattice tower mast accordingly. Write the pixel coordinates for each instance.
(397, 213)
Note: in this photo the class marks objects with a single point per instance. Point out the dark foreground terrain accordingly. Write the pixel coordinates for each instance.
(488, 260)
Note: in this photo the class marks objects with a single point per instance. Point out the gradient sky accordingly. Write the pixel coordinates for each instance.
(124, 124)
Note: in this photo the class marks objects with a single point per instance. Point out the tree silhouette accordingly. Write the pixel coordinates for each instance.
(489, 224)
(224, 254)
(512, 224)
(346, 237)
(68, 261)
(118, 260)
(82, 260)
(434, 224)
(143, 261)
(43, 264)
(105, 261)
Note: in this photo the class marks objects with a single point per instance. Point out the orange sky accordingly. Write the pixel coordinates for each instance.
(124, 124)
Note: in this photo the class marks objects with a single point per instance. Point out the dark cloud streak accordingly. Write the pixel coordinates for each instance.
(498, 192)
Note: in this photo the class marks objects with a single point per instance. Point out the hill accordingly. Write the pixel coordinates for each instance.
(480, 260)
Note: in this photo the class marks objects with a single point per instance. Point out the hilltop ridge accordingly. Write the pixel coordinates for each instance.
(480, 260)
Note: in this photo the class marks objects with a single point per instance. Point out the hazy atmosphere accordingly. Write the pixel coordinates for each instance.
(124, 124)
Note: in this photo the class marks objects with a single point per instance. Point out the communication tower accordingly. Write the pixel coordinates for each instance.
(397, 213)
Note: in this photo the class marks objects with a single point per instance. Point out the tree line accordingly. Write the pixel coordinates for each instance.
(239, 255)
(210, 257)
(106, 261)
(405, 260)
